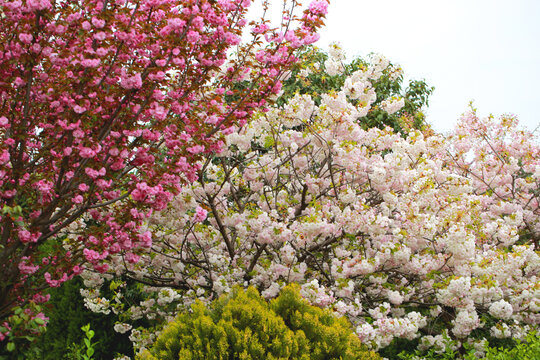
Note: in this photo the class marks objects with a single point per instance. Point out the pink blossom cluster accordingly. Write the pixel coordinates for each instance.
(103, 119)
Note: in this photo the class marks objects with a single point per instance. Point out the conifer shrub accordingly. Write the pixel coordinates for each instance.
(242, 325)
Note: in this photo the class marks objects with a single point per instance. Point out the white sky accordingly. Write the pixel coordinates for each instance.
(482, 50)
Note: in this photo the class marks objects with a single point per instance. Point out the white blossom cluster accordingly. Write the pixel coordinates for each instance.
(334, 64)
(393, 105)
(397, 233)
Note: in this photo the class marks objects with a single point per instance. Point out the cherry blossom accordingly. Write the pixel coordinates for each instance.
(103, 120)
(397, 232)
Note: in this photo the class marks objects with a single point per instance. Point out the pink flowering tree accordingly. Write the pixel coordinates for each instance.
(106, 108)
(424, 237)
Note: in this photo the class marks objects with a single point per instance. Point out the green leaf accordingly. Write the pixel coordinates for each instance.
(268, 142)
(114, 285)
(10, 346)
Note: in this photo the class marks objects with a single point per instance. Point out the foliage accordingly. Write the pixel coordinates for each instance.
(87, 355)
(105, 106)
(23, 327)
(242, 325)
(67, 314)
(529, 348)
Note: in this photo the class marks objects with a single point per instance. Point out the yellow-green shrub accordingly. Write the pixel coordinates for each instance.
(242, 325)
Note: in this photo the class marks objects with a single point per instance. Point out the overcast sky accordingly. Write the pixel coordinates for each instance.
(482, 50)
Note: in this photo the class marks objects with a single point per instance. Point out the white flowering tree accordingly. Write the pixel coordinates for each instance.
(398, 104)
(419, 236)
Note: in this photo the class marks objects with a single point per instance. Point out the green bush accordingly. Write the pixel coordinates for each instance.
(529, 349)
(244, 326)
